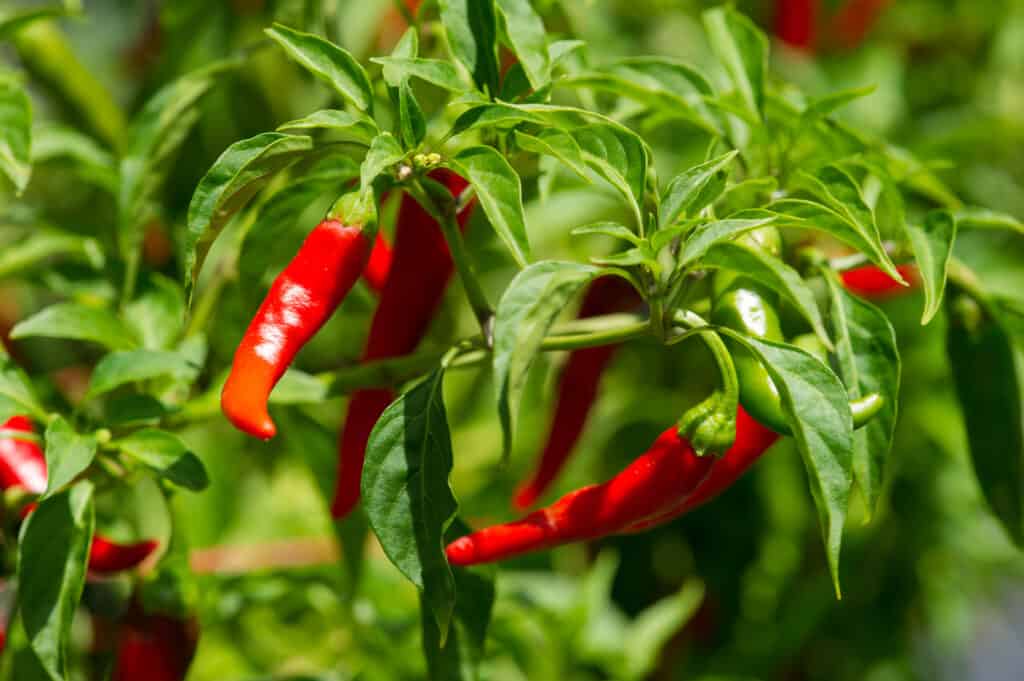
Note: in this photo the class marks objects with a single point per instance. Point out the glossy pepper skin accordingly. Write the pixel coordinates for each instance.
(154, 647)
(653, 483)
(796, 23)
(871, 282)
(379, 264)
(577, 388)
(300, 300)
(23, 464)
(420, 269)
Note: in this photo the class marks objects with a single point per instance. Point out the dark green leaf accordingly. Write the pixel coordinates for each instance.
(500, 194)
(121, 368)
(742, 50)
(471, 28)
(15, 133)
(869, 362)
(328, 62)
(53, 549)
(987, 382)
(818, 409)
(693, 190)
(167, 455)
(78, 322)
(235, 177)
(406, 493)
(525, 30)
(493, 116)
(528, 308)
(67, 454)
(410, 116)
(933, 244)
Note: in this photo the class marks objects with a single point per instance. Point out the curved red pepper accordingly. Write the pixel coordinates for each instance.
(379, 264)
(752, 440)
(154, 647)
(871, 282)
(653, 483)
(23, 464)
(420, 269)
(796, 23)
(577, 388)
(299, 302)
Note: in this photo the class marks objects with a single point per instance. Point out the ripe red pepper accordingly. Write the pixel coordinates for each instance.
(379, 264)
(652, 484)
(299, 302)
(577, 388)
(871, 282)
(419, 273)
(752, 440)
(796, 23)
(23, 464)
(154, 647)
(852, 23)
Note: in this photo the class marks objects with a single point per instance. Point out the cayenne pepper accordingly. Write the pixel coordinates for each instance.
(23, 464)
(577, 388)
(796, 23)
(871, 282)
(299, 302)
(154, 647)
(418, 276)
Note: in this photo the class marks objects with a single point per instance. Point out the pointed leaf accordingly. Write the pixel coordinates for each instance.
(525, 30)
(434, 71)
(167, 456)
(15, 133)
(710, 233)
(351, 126)
(120, 368)
(471, 28)
(694, 189)
(328, 62)
(77, 322)
(933, 244)
(67, 454)
(742, 50)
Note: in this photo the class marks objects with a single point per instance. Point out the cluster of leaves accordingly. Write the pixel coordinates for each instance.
(557, 117)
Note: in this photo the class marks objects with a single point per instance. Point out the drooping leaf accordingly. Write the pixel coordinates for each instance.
(15, 132)
(980, 218)
(500, 193)
(235, 177)
(933, 244)
(407, 496)
(868, 361)
(526, 311)
(120, 368)
(525, 30)
(77, 322)
(53, 549)
(44, 245)
(67, 454)
(328, 62)
(167, 455)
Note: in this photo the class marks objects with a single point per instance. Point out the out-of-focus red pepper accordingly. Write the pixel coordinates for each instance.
(796, 23)
(871, 282)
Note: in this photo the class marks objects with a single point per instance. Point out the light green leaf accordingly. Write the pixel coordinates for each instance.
(43, 245)
(694, 189)
(557, 144)
(52, 141)
(67, 454)
(525, 30)
(356, 127)
(15, 133)
(167, 455)
(385, 151)
(742, 50)
(434, 71)
(120, 368)
(77, 322)
(933, 245)
(980, 218)
(328, 62)
(710, 233)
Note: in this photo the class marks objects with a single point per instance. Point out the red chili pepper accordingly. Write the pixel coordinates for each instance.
(154, 647)
(299, 302)
(852, 23)
(379, 264)
(577, 388)
(655, 482)
(871, 282)
(752, 440)
(23, 464)
(796, 23)
(419, 273)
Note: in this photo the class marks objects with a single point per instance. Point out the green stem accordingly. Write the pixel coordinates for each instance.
(445, 217)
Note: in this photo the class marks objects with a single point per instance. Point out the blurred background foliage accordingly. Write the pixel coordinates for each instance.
(738, 590)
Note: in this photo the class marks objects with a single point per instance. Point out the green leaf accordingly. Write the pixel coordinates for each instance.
(500, 194)
(742, 50)
(710, 233)
(120, 368)
(43, 245)
(933, 245)
(655, 626)
(357, 127)
(15, 133)
(53, 549)
(557, 144)
(298, 387)
(434, 71)
(980, 218)
(619, 156)
(158, 314)
(493, 116)
(16, 388)
(525, 30)
(691, 191)
(67, 454)
(385, 151)
(410, 116)
(819, 107)
(525, 313)
(52, 141)
(167, 455)
(406, 493)
(235, 177)
(471, 28)
(328, 62)
(77, 322)
(818, 409)
(987, 382)
(458, 657)
(869, 362)
(773, 273)
(13, 20)
(612, 229)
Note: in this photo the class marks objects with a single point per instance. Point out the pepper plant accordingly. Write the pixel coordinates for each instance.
(718, 218)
